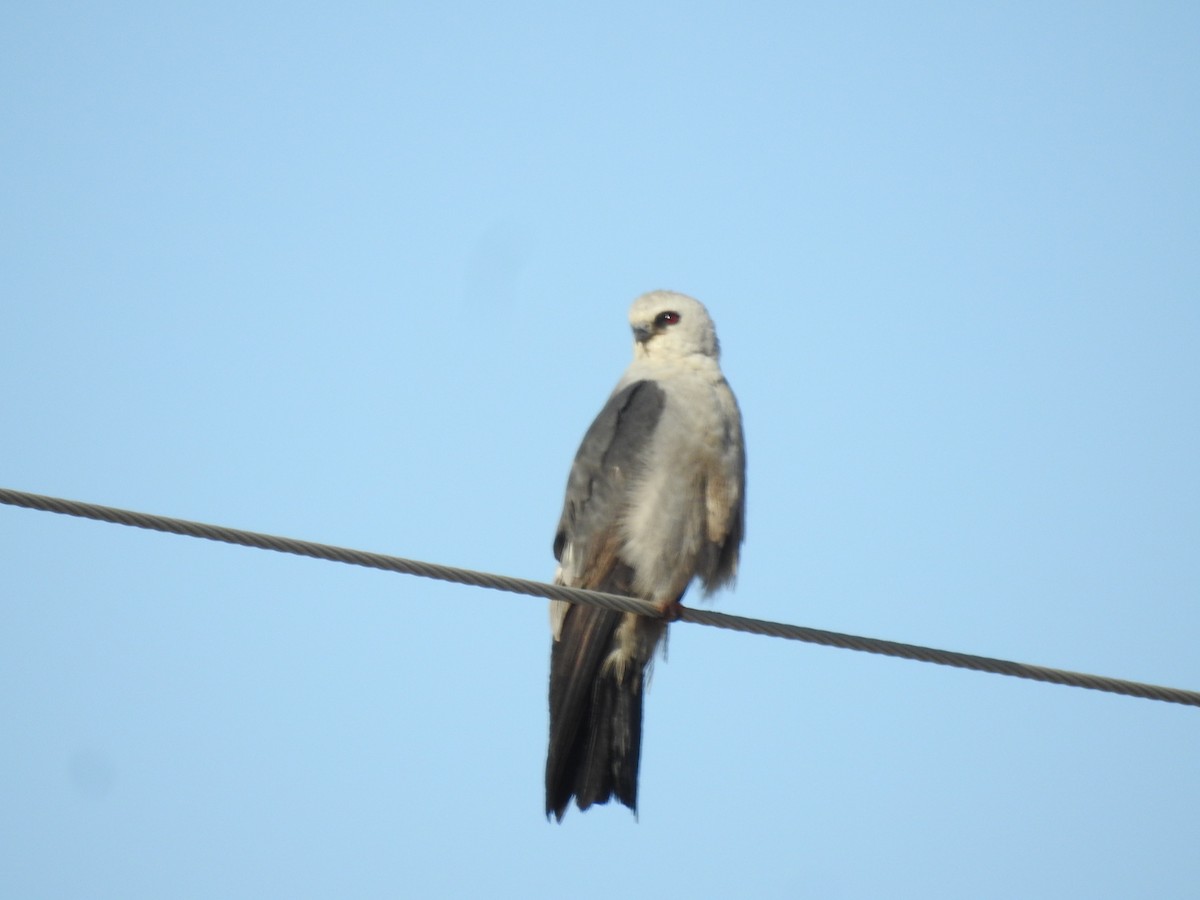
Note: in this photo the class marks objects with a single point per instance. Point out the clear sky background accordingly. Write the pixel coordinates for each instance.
(359, 274)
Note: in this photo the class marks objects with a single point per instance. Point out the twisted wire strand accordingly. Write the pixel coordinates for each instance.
(594, 598)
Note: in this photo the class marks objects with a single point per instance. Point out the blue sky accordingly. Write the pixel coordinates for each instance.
(360, 275)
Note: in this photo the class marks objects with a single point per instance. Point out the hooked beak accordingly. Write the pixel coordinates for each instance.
(642, 334)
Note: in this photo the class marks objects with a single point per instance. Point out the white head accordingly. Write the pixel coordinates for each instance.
(670, 325)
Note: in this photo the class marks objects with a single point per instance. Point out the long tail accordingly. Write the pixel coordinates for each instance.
(595, 712)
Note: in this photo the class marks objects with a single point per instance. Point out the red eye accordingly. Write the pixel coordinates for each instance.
(666, 318)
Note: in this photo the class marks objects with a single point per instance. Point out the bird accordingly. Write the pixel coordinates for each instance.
(655, 499)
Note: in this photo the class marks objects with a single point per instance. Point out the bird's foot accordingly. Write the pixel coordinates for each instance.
(673, 611)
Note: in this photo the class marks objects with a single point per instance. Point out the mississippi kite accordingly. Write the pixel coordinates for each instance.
(655, 497)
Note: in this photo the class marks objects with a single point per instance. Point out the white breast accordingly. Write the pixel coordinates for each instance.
(666, 523)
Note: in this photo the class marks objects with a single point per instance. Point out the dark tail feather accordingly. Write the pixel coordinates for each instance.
(595, 720)
(614, 746)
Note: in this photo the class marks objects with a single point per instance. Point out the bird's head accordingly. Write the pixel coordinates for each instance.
(669, 325)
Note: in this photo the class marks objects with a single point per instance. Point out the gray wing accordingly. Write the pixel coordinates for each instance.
(725, 504)
(585, 543)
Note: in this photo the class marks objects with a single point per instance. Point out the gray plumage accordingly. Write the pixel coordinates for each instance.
(655, 498)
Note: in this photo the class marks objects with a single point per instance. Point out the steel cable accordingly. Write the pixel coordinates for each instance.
(594, 598)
